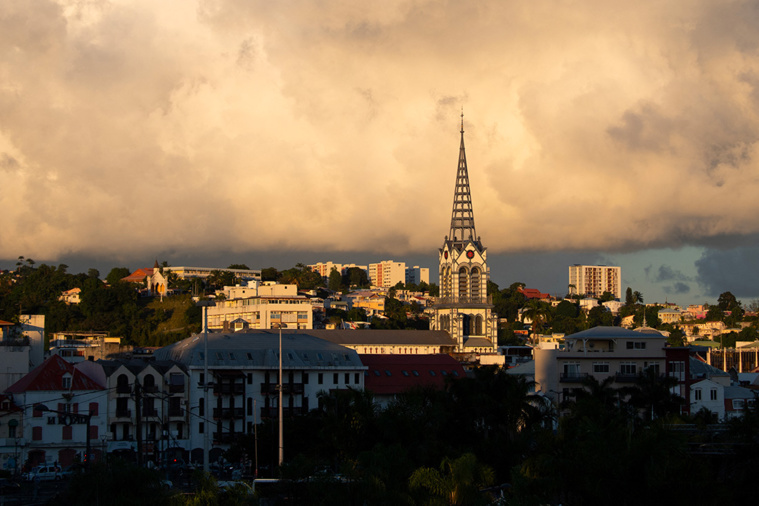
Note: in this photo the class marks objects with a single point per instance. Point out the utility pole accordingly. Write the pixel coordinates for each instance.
(138, 413)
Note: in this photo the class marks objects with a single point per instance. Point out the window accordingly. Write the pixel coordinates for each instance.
(628, 368)
(11, 429)
(697, 394)
(249, 355)
(713, 394)
(66, 382)
(677, 370)
(320, 378)
(201, 428)
(232, 356)
(37, 433)
(94, 408)
(249, 378)
(405, 373)
(636, 345)
(653, 367)
(335, 379)
(347, 378)
(432, 373)
(600, 367)
(356, 378)
(415, 373)
(202, 407)
(571, 370)
(738, 404)
(388, 372)
(66, 432)
(305, 378)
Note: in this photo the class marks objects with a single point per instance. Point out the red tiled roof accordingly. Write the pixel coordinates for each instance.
(48, 376)
(407, 371)
(4, 323)
(533, 293)
(138, 276)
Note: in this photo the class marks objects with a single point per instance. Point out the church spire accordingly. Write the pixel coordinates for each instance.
(462, 217)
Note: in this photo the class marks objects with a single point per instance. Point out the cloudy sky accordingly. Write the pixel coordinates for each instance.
(269, 133)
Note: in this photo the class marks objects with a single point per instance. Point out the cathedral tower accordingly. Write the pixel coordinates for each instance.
(463, 308)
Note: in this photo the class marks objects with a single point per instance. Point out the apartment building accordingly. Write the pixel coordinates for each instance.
(388, 273)
(263, 306)
(594, 280)
(325, 268)
(416, 275)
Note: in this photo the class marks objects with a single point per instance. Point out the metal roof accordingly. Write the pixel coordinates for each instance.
(260, 350)
(384, 337)
(612, 333)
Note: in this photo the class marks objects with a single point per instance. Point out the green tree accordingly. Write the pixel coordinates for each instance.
(606, 297)
(629, 299)
(676, 337)
(538, 313)
(335, 280)
(117, 274)
(239, 266)
(269, 274)
(457, 481)
(727, 301)
(356, 277)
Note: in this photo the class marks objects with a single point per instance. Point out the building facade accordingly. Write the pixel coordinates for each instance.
(464, 309)
(594, 280)
(387, 273)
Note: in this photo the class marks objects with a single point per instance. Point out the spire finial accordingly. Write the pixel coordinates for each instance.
(462, 119)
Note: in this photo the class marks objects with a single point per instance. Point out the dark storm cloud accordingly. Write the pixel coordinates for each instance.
(735, 270)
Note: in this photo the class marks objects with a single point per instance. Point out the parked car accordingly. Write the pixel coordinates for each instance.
(44, 473)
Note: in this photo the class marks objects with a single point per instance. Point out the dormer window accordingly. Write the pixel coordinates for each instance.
(66, 382)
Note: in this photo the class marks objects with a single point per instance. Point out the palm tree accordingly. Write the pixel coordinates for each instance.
(537, 312)
(457, 482)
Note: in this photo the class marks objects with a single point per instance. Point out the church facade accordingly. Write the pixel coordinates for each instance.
(463, 308)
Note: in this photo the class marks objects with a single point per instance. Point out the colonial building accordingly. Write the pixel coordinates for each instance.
(242, 380)
(64, 412)
(464, 308)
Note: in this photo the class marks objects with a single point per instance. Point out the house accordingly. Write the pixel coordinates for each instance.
(388, 376)
(64, 412)
(600, 352)
(262, 307)
(72, 296)
(243, 371)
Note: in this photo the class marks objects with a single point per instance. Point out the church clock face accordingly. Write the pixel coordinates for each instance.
(470, 254)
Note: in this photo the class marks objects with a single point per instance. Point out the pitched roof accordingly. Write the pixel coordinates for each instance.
(386, 337)
(611, 333)
(700, 369)
(48, 376)
(394, 374)
(259, 349)
(138, 276)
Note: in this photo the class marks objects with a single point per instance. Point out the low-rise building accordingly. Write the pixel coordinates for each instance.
(243, 372)
(64, 413)
(390, 342)
(262, 306)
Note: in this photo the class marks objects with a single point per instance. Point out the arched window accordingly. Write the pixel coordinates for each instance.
(463, 284)
(466, 324)
(476, 284)
(478, 325)
(148, 383)
(122, 384)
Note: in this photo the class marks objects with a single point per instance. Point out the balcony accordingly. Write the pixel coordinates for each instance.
(287, 388)
(123, 413)
(176, 389)
(228, 389)
(174, 412)
(626, 377)
(228, 413)
(572, 377)
(149, 412)
(287, 412)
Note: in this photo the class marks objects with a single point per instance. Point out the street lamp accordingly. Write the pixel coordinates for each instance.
(279, 388)
(205, 304)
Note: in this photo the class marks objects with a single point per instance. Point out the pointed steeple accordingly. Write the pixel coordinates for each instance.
(462, 217)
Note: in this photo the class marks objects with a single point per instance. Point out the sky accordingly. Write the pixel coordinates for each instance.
(212, 132)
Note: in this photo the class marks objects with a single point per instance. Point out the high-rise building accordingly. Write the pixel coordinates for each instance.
(463, 308)
(387, 273)
(594, 280)
(417, 275)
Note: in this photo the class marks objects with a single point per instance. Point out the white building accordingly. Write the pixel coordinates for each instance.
(243, 368)
(594, 280)
(262, 306)
(416, 275)
(388, 273)
(60, 431)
